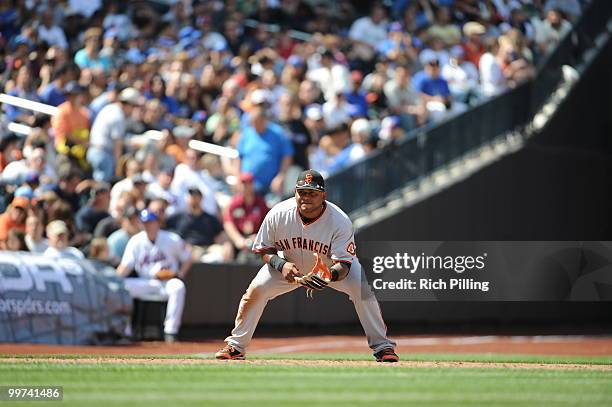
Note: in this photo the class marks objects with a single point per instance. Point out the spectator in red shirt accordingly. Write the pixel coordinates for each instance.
(13, 219)
(474, 47)
(243, 217)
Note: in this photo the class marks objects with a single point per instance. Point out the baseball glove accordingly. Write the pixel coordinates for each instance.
(317, 279)
(165, 274)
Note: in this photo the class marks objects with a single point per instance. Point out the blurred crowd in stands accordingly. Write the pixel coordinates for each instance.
(290, 84)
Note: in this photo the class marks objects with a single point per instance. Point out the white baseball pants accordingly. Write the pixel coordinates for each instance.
(152, 289)
(269, 284)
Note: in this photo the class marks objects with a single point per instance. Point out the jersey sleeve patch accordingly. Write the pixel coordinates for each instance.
(351, 249)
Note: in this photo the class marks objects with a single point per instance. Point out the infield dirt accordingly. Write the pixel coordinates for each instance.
(523, 345)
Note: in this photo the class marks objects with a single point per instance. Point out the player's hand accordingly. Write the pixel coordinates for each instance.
(165, 274)
(291, 273)
(318, 278)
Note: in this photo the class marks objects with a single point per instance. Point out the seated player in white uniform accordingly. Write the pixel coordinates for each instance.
(161, 259)
(318, 248)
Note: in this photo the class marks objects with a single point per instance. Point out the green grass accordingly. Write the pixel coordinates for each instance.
(449, 357)
(229, 384)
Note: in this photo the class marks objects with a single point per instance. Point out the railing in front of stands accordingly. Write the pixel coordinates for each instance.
(427, 149)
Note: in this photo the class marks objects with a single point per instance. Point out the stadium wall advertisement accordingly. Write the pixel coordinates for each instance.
(60, 301)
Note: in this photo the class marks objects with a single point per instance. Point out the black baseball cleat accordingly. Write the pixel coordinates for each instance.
(229, 353)
(387, 355)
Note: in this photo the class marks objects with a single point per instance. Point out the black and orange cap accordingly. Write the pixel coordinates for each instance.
(310, 179)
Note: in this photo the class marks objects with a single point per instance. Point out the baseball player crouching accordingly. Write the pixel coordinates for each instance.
(318, 250)
(161, 259)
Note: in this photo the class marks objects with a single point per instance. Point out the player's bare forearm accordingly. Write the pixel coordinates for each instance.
(342, 269)
(289, 271)
(267, 254)
(270, 256)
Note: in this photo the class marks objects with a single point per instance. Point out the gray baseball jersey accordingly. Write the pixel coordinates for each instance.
(331, 235)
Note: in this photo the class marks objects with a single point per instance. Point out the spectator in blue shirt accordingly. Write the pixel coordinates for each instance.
(429, 83)
(158, 91)
(265, 152)
(53, 93)
(89, 56)
(9, 19)
(357, 97)
(24, 88)
(399, 45)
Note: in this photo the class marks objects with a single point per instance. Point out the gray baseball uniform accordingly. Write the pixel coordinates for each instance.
(331, 235)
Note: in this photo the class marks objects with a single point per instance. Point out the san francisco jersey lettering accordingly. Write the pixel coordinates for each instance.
(331, 235)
